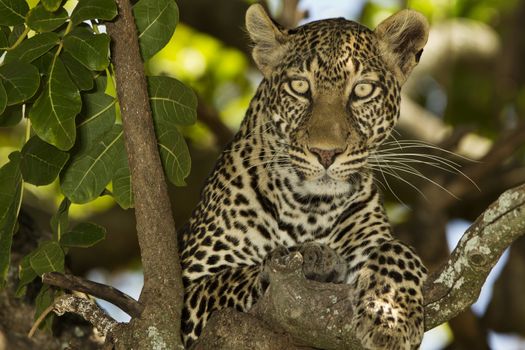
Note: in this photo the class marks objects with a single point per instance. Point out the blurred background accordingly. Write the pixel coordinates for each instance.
(467, 96)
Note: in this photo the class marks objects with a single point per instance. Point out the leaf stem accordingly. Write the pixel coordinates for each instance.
(20, 39)
(61, 45)
(95, 28)
(28, 124)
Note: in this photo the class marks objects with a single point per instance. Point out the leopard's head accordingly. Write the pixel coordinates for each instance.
(331, 88)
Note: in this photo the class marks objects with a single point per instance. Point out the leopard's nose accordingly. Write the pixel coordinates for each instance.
(326, 156)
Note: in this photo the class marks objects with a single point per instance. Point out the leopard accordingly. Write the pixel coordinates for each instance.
(295, 178)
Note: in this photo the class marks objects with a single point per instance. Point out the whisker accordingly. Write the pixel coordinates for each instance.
(415, 172)
(442, 163)
(423, 144)
(382, 171)
(433, 157)
(394, 174)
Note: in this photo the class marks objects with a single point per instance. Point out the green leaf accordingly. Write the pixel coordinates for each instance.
(43, 63)
(96, 118)
(48, 257)
(83, 235)
(3, 99)
(26, 275)
(32, 48)
(4, 43)
(13, 12)
(82, 76)
(89, 172)
(11, 116)
(101, 83)
(16, 33)
(174, 153)
(122, 192)
(41, 20)
(10, 180)
(43, 300)
(172, 102)
(156, 21)
(53, 114)
(60, 221)
(92, 50)
(51, 5)
(41, 162)
(93, 9)
(10, 194)
(21, 80)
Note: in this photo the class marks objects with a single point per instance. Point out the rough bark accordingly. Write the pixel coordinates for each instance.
(162, 294)
(458, 283)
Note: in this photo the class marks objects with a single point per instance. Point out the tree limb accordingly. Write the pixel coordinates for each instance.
(86, 308)
(83, 307)
(102, 291)
(318, 315)
(500, 151)
(459, 282)
(162, 294)
(211, 118)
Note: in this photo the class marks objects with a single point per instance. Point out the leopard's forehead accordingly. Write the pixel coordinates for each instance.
(332, 30)
(332, 48)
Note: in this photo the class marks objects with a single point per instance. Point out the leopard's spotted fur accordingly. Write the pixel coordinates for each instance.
(294, 178)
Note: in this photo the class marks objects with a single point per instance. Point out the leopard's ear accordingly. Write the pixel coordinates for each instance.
(269, 40)
(402, 37)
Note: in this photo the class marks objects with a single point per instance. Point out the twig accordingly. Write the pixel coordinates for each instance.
(102, 291)
(86, 308)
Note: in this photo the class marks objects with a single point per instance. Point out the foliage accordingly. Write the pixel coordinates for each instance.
(56, 78)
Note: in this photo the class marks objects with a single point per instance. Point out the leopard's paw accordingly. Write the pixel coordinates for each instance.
(321, 263)
(385, 320)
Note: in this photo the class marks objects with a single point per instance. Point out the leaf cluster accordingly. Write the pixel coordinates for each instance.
(56, 80)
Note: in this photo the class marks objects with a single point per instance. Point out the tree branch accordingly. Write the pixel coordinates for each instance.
(86, 308)
(102, 291)
(210, 117)
(162, 295)
(318, 315)
(459, 282)
(500, 151)
(290, 15)
(83, 307)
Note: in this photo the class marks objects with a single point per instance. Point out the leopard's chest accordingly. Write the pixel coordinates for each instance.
(283, 216)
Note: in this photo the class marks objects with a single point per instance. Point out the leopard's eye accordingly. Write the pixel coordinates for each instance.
(300, 86)
(363, 90)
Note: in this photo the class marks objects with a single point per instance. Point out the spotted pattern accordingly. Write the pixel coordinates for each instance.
(276, 189)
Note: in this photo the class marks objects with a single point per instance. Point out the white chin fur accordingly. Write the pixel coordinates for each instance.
(324, 187)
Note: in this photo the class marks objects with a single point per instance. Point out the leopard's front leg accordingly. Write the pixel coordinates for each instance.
(388, 300)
